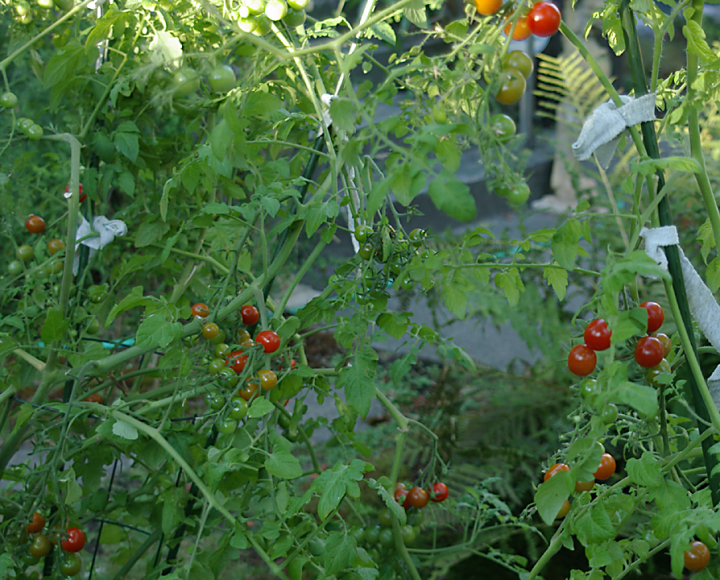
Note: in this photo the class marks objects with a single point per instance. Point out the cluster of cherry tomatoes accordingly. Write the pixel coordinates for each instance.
(650, 351)
(605, 471)
(72, 541)
(24, 14)
(227, 363)
(25, 253)
(30, 128)
(417, 497)
(257, 16)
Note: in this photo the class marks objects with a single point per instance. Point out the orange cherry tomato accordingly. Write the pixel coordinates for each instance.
(607, 467)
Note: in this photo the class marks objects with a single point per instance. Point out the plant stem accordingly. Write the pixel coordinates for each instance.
(552, 549)
(125, 570)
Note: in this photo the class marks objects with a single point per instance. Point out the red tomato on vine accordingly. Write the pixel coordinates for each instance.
(597, 335)
(544, 19)
(582, 360)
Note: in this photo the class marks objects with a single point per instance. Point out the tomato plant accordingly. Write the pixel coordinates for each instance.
(210, 330)
(582, 360)
(544, 19)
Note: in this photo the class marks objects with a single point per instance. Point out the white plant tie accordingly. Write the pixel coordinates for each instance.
(106, 229)
(602, 130)
(703, 306)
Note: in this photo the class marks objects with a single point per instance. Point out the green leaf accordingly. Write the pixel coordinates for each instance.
(389, 499)
(358, 380)
(645, 471)
(132, 300)
(63, 64)
(165, 49)
(377, 195)
(333, 484)
(382, 31)
(584, 455)
(407, 181)
(220, 139)
(551, 495)
(594, 526)
(55, 326)
(112, 534)
(448, 154)
(651, 166)
(394, 324)
(565, 243)
(453, 197)
(696, 41)
(415, 13)
(149, 233)
(23, 416)
(283, 464)
(260, 407)
(155, 331)
(343, 114)
(558, 279)
(508, 283)
(639, 397)
(172, 512)
(340, 551)
(125, 430)
(126, 140)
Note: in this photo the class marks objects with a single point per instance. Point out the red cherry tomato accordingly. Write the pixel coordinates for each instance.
(75, 541)
(582, 360)
(697, 557)
(35, 224)
(83, 197)
(37, 524)
(607, 467)
(553, 469)
(200, 310)
(417, 497)
(237, 361)
(597, 335)
(439, 492)
(544, 19)
(269, 340)
(400, 493)
(656, 316)
(95, 398)
(649, 352)
(522, 30)
(250, 315)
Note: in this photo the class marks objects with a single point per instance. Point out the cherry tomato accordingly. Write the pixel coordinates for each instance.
(518, 194)
(71, 565)
(93, 327)
(210, 330)
(40, 546)
(409, 534)
(555, 468)
(185, 82)
(386, 538)
(294, 18)
(363, 232)
(652, 374)
(417, 497)
(239, 409)
(83, 197)
(247, 25)
(25, 253)
(544, 19)
(8, 101)
(597, 335)
(415, 518)
(607, 467)
(400, 493)
(417, 236)
(582, 360)
(609, 414)
(228, 378)
(522, 30)
(366, 251)
(656, 316)
(564, 510)
(697, 557)
(385, 518)
(487, 7)
(244, 338)
(15, 268)
(250, 315)
(215, 401)
(35, 224)
(37, 524)
(221, 350)
(439, 492)
(268, 379)
(216, 365)
(520, 61)
(503, 127)
(35, 132)
(75, 541)
(511, 87)
(248, 391)
(276, 9)
(649, 352)
(200, 309)
(222, 79)
(55, 245)
(269, 340)
(238, 360)
(298, 4)
(581, 486)
(227, 427)
(95, 398)
(667, 343)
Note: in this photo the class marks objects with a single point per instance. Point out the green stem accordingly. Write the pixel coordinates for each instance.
(552, 549)
(280, 308)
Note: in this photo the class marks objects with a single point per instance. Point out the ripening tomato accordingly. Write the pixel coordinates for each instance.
(210, 330)
(656, 316)
(555, 468)
(37, 524)
(75, 540)
(597, 335)
(268, 379)
(522, 30)
(582, 360)
(250, 315)
(503, 127)
(83, 196)
(654, 372)
(238, 360)
(35, 224)
(544, 19)
(54, 246)
(564, 510)
(400, 493)
(40, 546)
(581, 486)
(95, 398)
(269, 340)
(697, 557)
(511, 87)
(488, 7)
(520, 61)
(649, 352)
(667, 343)
(439, 492)
(71, 565)
(417, 497)
(200, 309)
(248, 391)
(607, 467)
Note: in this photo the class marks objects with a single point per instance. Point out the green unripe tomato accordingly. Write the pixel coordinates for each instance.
(588, 389)
(372, 535)
(294, 18)
(503, 127)
(654, 372)
(227, 427)
(35, 132)
(417, 236)
(386, 539)
(65, 5)
(221, 350)
(416, 518)
(255, 7)
(15, 268)
(45, 3)
(385, 518)
(70, 564)
(228, 378)
(276, 10)
(93, 326)
(316, 547)
(519, 61)
(23, 123)
(238, 409)
(263, 25)
(363, 232)
(215, 366)
(518, 194)
(609, 414)
(298, 4)
(185, 82)
(25, 253)
(8, 101)
(222, 79)
(366, 251)
(284, 421)
(215, 401)
(409, 534)
(219, 339)
(248, 24)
